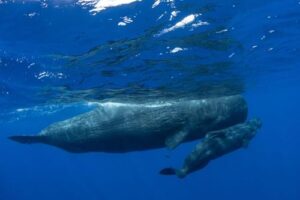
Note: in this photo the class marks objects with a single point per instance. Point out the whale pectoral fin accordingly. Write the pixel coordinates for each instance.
(174, 140)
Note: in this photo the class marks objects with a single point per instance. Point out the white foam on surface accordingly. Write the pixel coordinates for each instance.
(181, 24)
(47, 74)
(156, 3)
(100, 5)
(161, 16)
(121, 24)
(177, 49)
(174, 14)
(126, 20)
(222, 31)
(199, 23)
(31, 15)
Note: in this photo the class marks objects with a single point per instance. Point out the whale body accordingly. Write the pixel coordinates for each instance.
(124, 127)
(216, 144)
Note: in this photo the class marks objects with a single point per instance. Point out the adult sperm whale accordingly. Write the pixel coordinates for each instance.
(120, 127)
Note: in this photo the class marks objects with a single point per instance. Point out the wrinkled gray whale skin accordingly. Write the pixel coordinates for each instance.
(123, 127)
(216, 144)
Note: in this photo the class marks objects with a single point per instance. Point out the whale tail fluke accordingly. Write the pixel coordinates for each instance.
(27, 139)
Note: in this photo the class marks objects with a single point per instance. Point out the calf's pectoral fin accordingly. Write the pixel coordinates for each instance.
(168, 171)
(174, 140)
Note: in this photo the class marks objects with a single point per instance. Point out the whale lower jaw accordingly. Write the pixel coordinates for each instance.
(27, 139)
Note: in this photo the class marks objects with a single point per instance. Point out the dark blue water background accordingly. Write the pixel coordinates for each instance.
(56, 57)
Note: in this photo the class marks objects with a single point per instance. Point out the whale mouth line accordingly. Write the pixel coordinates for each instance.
(118, 104)
(154, 104)
(27, 139)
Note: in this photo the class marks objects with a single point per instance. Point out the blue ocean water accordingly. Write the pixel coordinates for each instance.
(58, 57)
